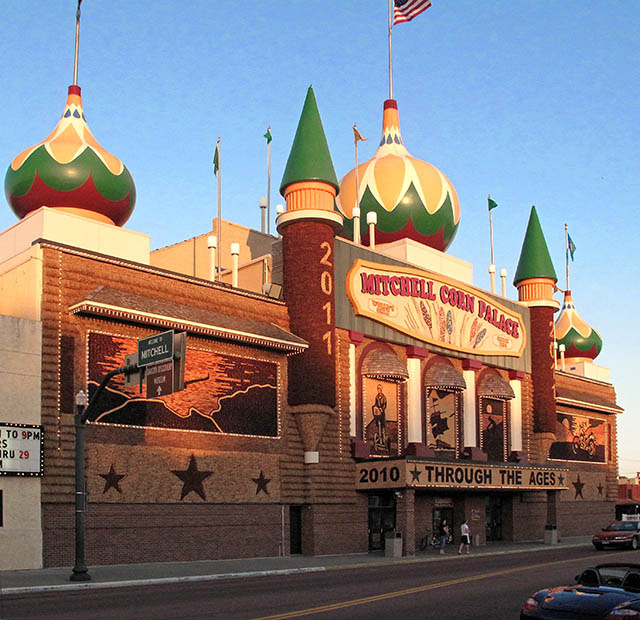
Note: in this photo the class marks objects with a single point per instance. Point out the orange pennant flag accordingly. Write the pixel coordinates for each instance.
(356, 135)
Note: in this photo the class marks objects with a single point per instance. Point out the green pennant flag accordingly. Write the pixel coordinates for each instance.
(492, 204)
(268, 135)
(216, 166)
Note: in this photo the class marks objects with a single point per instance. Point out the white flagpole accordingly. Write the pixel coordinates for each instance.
(269, 182)
(219, 231)
(491, 231)
(566, 253)
(390, 63)
(75, 58)
(356, 228)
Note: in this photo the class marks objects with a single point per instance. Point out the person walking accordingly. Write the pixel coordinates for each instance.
(465, 537)
(443, 532)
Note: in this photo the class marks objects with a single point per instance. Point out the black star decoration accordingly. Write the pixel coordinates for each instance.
(415, 474)
(561, 479)
(112, 480)
(577, 485)
(192, 479)
(600, 488)
(261, 483)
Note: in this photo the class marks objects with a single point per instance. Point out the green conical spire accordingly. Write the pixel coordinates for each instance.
(309, 159)
(535, 261)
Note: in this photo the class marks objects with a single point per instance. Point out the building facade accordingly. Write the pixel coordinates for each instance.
(378, 395)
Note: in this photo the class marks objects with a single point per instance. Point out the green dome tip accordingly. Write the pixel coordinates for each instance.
(309, 159)
(535, 261)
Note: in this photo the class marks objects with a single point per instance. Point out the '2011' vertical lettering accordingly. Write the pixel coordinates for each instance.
(326, 286)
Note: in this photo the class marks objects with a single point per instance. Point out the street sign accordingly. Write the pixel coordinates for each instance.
(159, 379)
(155, 348)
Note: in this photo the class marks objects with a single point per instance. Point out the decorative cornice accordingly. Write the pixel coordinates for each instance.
(194, 327)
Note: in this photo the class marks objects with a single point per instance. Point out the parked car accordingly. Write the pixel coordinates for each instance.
(618, 534)
(606, 592)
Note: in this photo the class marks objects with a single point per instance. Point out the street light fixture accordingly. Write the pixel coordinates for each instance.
(80, 571)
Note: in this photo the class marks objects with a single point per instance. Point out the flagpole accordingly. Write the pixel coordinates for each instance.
(566, 253)
(356, 227)
(269, 182)
(491, 231)
(219, 212)
(75, 58)
(492, 266)
(390, 62)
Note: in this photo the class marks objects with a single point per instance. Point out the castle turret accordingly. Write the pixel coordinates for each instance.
(536, 280)
(309, 186)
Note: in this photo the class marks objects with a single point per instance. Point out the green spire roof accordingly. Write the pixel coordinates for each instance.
(535, 261)
(309, 159)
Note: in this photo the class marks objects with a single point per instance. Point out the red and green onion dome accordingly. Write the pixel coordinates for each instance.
(412, 198)
(582, 342)
(72, 172)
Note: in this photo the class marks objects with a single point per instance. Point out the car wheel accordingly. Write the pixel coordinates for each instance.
(598, 546)
(634, 543)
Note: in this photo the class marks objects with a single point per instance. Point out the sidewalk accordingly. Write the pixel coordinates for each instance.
(116, 576)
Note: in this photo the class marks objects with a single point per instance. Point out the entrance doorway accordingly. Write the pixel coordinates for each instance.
(295, 530)
(382, 518)
(439, 514)
(494, 518)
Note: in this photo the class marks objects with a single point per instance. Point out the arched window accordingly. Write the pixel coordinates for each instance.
(493, 396)
(382, 375)
(443, 384)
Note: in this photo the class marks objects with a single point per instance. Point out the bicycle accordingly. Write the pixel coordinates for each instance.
(433, 540)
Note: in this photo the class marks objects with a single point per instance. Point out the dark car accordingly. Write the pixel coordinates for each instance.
(606, 591)
(618, 534)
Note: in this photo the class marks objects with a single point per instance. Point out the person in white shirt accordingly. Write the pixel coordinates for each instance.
(465, 537)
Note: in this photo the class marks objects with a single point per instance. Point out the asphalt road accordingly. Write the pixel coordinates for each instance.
(464, 588)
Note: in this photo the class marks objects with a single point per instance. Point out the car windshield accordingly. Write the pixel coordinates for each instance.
(612, 575)
(616, 526)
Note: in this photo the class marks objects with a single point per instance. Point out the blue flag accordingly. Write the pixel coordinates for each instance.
(572, 245)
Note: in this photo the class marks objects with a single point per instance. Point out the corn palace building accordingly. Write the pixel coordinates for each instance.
(344, 381)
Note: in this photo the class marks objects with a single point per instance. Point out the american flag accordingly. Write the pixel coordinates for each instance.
(406, 10)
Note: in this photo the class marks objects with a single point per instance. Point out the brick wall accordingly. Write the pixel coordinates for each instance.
(121, 534)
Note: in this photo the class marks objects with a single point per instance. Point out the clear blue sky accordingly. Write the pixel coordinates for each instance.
(535, 102)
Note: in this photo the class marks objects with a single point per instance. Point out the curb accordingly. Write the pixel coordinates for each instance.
(268, 572)
(157, 580)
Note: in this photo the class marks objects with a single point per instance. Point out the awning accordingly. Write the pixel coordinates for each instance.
(584, 400)
(112, 304)
(492, 385)
(384, 364)
(443, 376)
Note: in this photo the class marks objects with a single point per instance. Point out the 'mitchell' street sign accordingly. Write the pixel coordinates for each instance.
(155, 348)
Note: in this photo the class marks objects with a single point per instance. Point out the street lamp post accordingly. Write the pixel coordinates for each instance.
(80, 571)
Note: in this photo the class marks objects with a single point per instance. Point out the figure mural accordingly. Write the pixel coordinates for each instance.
(493, 439)
(381, 416)
(441, 425)
(579, 439)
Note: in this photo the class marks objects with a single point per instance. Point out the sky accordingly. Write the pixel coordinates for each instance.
(534, 102)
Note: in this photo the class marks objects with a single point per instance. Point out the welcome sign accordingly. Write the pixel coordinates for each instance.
(434, 309)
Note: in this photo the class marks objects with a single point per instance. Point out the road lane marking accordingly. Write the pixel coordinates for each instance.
(433, 586)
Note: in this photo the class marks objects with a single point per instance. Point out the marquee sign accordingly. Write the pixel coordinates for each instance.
(400, 473)
(21, 451)
(434, 309)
